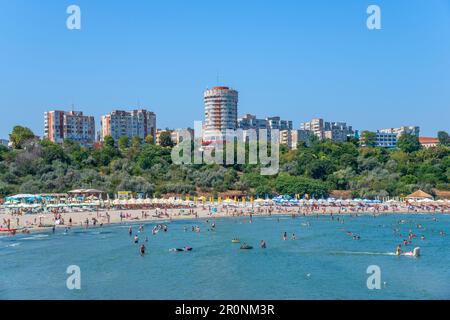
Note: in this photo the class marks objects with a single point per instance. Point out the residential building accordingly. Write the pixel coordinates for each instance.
(286, 138)
(118, 123)
(220, 112)
(250, 122)
(300, 136)
(69, 125)
(428, 142)
(336, 131)
(177, 136)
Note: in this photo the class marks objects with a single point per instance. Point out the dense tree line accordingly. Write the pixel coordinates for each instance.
(315, 168)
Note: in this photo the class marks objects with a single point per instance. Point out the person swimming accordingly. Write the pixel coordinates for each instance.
(142, 250)
(293, 237)
(136, 239)
(284, 236)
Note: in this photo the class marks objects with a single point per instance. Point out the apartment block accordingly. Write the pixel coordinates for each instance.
(336, 131)
(69, 125)
(118, 123)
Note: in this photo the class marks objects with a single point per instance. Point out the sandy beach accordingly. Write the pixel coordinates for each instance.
(86, 219)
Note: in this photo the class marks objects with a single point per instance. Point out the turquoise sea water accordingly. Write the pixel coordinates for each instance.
(323, 263)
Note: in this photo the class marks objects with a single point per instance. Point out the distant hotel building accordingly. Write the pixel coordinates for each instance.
(336, 131)
(220, 112)
(385, 139)
(69, 125)
(140, 123)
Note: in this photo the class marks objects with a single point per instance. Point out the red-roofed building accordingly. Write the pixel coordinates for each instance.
(428, 142)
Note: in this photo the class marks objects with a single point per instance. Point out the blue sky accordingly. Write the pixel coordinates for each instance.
(297, 59)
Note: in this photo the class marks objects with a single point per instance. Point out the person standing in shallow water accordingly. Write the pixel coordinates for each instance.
(142, 250)
(284, 236)
(263, 244)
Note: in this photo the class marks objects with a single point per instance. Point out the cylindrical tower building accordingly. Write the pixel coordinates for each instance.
(220, 111)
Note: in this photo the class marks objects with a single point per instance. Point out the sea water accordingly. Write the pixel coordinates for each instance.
(323, 263)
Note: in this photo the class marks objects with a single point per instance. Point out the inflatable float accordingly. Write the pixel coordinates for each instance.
(414, 253)
(12, 231)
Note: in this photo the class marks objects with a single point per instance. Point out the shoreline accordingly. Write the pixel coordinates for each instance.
(85, 219)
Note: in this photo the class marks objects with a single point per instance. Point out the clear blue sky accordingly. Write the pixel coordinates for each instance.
(297, 59)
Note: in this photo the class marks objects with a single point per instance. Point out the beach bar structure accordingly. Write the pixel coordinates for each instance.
(419, 195)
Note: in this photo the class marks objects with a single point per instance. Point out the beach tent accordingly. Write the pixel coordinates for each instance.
(419, 195)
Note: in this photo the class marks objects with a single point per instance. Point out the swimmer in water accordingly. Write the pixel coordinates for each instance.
(136, 239)
(284, 236)
(142, 250)
(293, 237)
(130, 231)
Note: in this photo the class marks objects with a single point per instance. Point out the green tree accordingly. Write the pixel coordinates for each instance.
(165, 139)
(20, 135)
(149, 139)
(444, 138)
(109, 142)
(368, 139)
(408, 143)
(123, 143)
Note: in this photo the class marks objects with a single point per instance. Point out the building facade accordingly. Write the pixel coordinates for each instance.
(414, 130)
(336, 131)
(221, 105)
(69, 125)
(140, 123)
(428, 142)
(385, 139)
